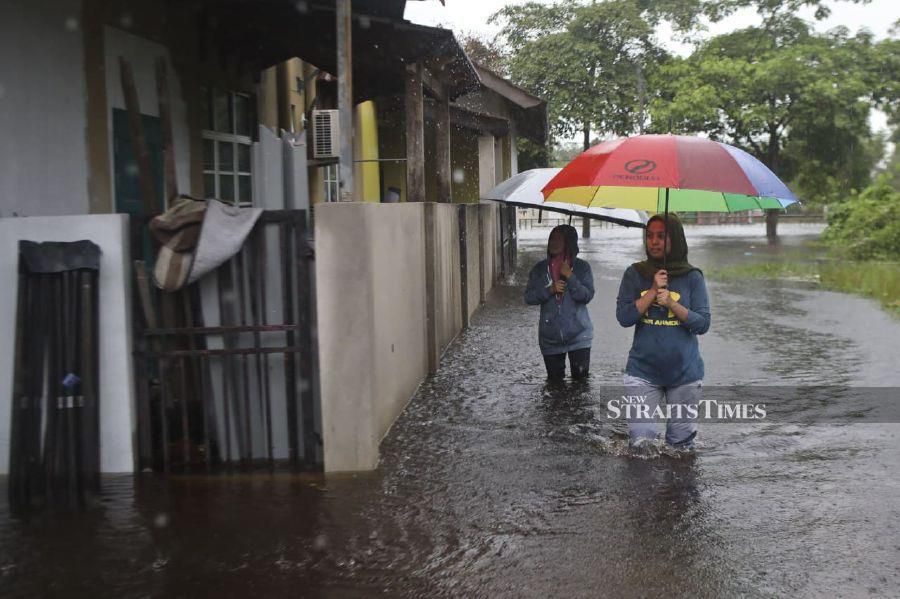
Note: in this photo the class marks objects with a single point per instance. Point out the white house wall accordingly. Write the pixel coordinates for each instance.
(43, 154)
(268, 171)
(513, 150)
(296, 171)
(486, 167)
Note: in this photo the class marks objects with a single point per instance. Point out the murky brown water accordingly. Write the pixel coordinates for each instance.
(493, 485)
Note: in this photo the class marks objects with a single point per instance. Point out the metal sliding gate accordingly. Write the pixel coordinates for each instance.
(508, 231)
(225, 366)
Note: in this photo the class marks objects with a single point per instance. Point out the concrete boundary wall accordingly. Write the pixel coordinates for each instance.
(473, 259)
(489, 214)
(447, 271)
(389, 295)
(370, 282)
(117, 398)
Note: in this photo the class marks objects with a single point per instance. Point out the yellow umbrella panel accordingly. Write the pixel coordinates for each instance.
(653, 199)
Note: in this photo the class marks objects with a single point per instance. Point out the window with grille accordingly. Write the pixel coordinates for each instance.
(227, 143)
(331, 182)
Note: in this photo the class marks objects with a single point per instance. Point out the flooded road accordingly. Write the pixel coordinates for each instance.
(492, 484)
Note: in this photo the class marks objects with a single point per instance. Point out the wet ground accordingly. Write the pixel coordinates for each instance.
(491, 484)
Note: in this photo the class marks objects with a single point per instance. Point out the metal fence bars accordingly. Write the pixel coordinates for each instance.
(225, 366)
(508, 232)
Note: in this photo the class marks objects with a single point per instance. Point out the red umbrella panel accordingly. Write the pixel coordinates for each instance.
(641, 172)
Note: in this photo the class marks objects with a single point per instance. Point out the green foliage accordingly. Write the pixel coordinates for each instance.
(564, 153)
(531, 155)
(717, 9)
(875, 279)
(878, 280)
(867, 226)
(589, 61)
(892, 168)
(797, 100)
(766, 270)
(885, 66)
(823, 175)
(485, 52)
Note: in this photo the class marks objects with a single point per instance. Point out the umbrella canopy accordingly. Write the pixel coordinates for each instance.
(524, 190)
(660, 173)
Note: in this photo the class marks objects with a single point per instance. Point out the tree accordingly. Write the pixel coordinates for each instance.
(485, 52)
(797, 100)
(589, 61)
(891, 169)
(565, 152)
(532, 154)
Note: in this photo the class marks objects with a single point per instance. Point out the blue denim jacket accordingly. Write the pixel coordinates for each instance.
(564, 326)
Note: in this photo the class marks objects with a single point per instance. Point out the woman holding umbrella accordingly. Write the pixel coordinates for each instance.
(562, 285)
(664, 297)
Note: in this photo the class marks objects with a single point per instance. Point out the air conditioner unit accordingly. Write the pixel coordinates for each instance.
(326, 134)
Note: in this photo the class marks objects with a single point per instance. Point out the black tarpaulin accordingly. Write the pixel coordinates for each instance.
(58, 256)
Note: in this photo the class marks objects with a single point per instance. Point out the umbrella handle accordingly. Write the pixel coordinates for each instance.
(666, 236)
(666, 233)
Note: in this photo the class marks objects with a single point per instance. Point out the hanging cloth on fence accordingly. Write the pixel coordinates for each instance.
(224, 230)
(177, 230)
(198, 237)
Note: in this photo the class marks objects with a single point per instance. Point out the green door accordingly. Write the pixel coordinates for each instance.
(126, 174)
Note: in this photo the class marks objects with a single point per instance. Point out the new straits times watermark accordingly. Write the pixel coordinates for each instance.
(748, 404)
(636, 407)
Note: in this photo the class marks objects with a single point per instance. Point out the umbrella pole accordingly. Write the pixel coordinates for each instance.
(666, 233)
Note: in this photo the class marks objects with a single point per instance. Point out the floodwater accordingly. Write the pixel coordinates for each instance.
(491, 484)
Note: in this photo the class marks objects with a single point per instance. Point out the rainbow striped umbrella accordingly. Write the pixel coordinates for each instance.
(662, 173)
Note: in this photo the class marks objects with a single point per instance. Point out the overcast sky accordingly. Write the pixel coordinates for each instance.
(464, 16)
(472, 15)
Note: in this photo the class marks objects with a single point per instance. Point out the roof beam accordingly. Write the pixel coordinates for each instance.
(433, 85)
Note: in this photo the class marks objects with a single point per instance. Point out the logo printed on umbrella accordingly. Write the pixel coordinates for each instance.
(640, 166)
(639, 170)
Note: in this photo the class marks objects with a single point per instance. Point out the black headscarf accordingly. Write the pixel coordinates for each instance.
(570, 237)
(676, 260)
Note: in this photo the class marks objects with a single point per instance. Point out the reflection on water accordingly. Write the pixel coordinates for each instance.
(494, 484)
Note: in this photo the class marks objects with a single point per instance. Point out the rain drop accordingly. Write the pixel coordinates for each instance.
(126, 21)
(71, 24)
(320, 543)
(459, 175)
(365, 22)
(302, 7)
(161, 520)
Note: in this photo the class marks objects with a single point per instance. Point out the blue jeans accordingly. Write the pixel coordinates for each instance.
(680, 432)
